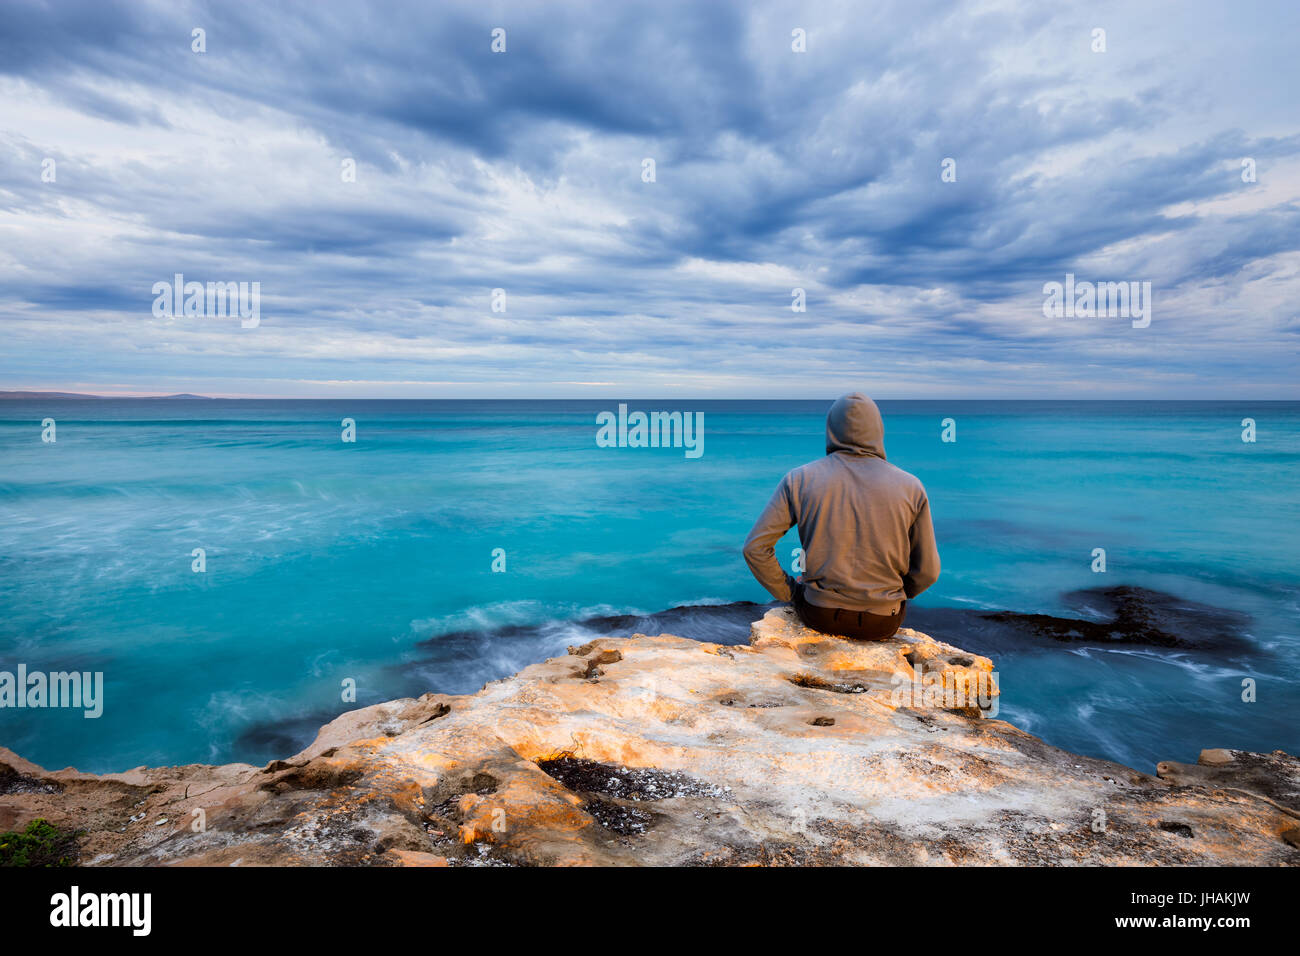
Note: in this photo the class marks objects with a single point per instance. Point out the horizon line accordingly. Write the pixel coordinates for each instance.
(61, 395)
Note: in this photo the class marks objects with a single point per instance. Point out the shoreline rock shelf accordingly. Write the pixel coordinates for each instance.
(794, 750)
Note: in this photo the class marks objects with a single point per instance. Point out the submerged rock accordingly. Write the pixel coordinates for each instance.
(1133, 615)
(798, 748)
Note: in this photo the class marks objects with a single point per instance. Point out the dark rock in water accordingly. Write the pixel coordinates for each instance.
(1154, 616)
(716, 623)
(1132, 615)
(266, 739)
(971, 629)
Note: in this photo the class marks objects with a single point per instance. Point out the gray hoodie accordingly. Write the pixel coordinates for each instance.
(864, 524)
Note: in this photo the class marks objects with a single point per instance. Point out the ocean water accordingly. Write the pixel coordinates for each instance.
(372, 561)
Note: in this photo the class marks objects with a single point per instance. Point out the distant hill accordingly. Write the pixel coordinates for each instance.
(16, 395)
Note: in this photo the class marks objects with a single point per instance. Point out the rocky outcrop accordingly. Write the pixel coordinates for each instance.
(1133, 615)
(797, 749)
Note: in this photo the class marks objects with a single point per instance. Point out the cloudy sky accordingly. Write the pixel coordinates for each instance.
(774, 170)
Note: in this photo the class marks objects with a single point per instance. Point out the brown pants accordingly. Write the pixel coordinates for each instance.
(862, 625)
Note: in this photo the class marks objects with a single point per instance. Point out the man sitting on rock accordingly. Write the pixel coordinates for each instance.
(865, 529)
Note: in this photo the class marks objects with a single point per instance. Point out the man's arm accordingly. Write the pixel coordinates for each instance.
(923, 568)
(760, 553)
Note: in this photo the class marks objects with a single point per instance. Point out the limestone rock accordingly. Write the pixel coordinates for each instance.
(800, 748)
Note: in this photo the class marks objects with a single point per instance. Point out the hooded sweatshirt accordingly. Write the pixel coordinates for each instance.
(864, 524)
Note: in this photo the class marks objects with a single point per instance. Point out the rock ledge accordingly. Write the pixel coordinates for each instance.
(798, 749)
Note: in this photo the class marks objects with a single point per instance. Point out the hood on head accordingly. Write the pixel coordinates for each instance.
(854, 426)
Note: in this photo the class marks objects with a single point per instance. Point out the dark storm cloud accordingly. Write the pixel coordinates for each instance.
(522, 171)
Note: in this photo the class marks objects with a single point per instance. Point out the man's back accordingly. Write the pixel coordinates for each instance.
(864, 524)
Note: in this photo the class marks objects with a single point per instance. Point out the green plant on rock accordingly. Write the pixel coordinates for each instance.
(39, 844)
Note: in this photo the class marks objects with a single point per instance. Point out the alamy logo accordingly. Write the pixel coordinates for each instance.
(1091, 299)
(55, 689)
(103, 909)
(216, 300)
(652, 430)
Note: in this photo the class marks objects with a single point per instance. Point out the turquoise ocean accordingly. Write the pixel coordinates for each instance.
(373, 561)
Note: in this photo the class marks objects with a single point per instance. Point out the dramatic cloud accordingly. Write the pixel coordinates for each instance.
(774, 170)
